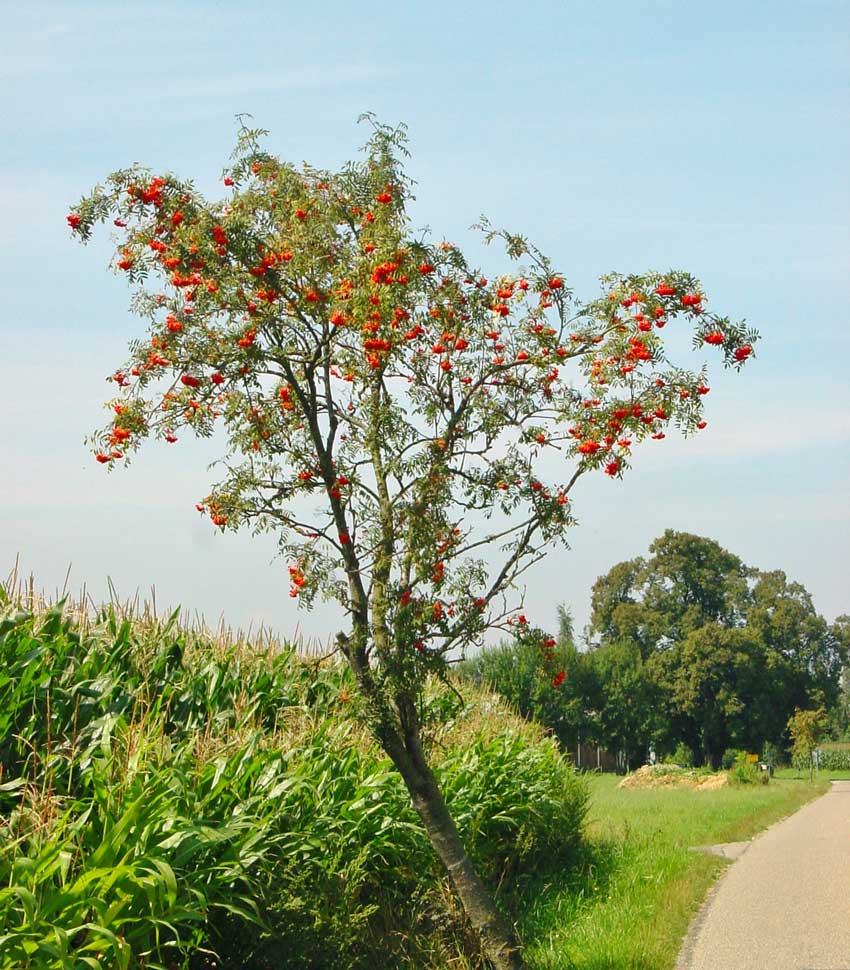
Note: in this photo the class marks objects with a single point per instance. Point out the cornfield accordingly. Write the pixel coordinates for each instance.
(176, 798)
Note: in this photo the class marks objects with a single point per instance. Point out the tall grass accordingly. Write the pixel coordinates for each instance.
(171, 799)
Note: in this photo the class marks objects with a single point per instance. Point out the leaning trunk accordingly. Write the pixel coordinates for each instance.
(399, 736)
(496, 937)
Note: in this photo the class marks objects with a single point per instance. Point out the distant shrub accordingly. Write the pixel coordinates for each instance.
(746, 772)
(682, 756)
(730, 756)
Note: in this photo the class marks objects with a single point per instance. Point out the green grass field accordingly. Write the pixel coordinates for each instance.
(791, 774)
(628, 906)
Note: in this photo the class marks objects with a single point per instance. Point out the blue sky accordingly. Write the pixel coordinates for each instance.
(626, 135)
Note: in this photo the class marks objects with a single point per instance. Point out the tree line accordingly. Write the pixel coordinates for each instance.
(688, 646)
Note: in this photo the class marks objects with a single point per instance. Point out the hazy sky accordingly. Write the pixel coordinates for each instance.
(629, 136)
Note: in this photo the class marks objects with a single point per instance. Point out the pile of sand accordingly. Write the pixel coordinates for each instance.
(671, 776)
(710, 782)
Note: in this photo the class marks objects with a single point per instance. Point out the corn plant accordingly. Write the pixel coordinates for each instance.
(164, 796)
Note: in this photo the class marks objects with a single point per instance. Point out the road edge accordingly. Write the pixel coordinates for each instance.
(688, 945)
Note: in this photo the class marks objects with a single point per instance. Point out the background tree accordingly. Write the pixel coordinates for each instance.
(382, 408)
(716, 677)
(652, 604)
(560, 703)
(806, 729)
(687, 581)
(627, 699)
(566, 625)
(783, 617)
(617, 613)
(730, 650)
(839, 714)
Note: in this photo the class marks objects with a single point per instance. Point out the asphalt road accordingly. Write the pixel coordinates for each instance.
(785, 903)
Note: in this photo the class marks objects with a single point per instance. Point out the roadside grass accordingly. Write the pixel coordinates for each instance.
(627, 905)
(791, 774)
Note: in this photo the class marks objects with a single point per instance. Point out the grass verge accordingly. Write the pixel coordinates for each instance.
(792, 774)
(628, 904)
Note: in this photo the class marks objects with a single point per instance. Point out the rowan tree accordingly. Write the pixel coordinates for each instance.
(383, 408)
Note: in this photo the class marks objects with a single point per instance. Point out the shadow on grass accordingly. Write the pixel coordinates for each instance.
(585, 917)
(549, 899)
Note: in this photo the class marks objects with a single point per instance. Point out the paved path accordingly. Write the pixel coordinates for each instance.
(785, 903)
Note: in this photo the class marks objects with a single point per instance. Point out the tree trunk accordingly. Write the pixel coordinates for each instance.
(496, 935)
(399, 735)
